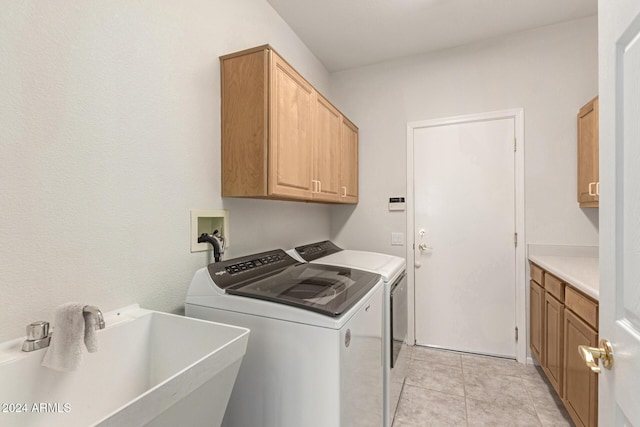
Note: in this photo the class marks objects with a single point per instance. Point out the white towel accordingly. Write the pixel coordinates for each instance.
(73, 331)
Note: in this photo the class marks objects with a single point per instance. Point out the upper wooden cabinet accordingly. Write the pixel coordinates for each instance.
(281, 139)
(326, 168)
(349, 162)
(290, 141)
(588, 157)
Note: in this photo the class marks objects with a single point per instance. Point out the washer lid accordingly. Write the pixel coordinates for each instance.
(328, 290)
(388, 266)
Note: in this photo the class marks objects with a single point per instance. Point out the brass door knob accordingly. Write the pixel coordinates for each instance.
(604, 353)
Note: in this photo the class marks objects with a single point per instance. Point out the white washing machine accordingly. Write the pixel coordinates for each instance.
(315, 354)
(393, 272)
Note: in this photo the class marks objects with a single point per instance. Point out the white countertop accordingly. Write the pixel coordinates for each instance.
(576, 265)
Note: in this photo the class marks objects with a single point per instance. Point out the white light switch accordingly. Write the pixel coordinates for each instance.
(397, 239)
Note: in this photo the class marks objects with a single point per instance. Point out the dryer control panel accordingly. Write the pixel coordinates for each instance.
(314, 251)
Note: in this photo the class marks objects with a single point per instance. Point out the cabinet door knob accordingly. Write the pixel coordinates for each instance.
(591, 192)
(604, 353)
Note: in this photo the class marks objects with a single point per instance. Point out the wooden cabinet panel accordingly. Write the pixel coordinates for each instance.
(244, 124)
(349, 162)
(536, 318)
(537, 275)
(290, 133)
(581, 384)
(555, 335)
(281, 139)
(553, 341)
(328, 131)
(588, 156)
(583, 306)
(554, 286)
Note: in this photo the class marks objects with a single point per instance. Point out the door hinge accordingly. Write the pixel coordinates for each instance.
(515, 239)
(515, 143)
(516, 334)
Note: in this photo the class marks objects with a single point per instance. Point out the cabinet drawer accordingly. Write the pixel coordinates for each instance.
(554, 286)
(536, 274)
(582, 306)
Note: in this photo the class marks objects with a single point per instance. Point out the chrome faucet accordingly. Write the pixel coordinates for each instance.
(37, 336)
(97, 313)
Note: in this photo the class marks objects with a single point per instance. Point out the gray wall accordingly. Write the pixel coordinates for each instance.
(111, 135)
(550, 72)
(110, 118)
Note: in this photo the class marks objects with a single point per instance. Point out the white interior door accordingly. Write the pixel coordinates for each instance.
(464, 225)
(619, 32)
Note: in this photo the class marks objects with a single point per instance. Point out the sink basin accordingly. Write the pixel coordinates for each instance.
(152, 368)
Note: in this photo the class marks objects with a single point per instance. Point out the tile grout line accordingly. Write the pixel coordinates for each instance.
(533, 403)
(464, 389)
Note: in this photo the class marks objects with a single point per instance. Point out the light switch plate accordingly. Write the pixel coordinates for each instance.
(397, 239)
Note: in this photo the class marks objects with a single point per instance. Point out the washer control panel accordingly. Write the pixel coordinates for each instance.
(237, 271)
(254, 263)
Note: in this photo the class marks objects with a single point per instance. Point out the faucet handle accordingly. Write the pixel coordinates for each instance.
(37, 336)
(37, 330)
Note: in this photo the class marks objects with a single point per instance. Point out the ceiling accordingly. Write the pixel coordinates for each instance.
(351, 33)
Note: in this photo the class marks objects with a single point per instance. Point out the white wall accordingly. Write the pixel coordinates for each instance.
(110, 119)
(550, 72)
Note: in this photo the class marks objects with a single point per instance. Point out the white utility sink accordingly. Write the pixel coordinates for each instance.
(152, 368)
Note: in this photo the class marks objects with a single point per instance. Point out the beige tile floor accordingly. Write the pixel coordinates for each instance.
(447, 388)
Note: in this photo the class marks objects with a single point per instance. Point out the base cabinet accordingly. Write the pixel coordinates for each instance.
(581, 390)
(553, 341)
(566, 320)
(536, 317)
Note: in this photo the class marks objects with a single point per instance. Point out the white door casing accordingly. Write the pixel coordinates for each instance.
(415, 131)
(619, 87)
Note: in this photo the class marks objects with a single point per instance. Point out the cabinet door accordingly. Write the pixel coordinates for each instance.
(326, 151)
(244, 96)
(536, 317)
(588, 171)
(580, 384)
(553, 341)
(290, 132)
(349, 162)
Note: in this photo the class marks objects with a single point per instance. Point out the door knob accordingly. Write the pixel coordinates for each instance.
(423, 247)
(604, 353)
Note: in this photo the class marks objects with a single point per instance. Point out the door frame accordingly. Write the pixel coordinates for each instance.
(517, 114)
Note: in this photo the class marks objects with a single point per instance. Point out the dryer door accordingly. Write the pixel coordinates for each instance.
(399, 317)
